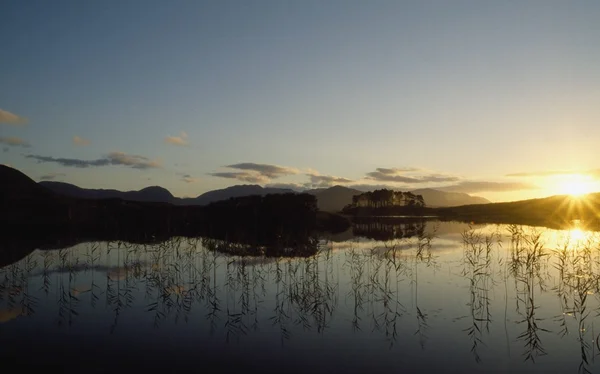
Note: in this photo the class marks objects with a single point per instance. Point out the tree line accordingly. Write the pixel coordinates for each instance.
(385, 198)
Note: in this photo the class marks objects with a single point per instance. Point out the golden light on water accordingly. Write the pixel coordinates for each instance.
(577, 235)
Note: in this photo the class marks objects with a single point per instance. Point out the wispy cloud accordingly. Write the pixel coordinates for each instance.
(398, 175)
(188, 178)
(551, 173)
(177, 140)
(52, 176)
(269, 171)
(113, 158)
(319, 180)
(287, 186)
(255, 173)
(242, 176)
(80, 141)
(14, 142)
(482, 186)
(11, 119)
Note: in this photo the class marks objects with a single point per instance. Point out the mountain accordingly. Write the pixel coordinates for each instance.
(557, 211)
(18, 186)
(436, 198)
(333, 199)
(159, 194)
(148, 194)
(233, 191)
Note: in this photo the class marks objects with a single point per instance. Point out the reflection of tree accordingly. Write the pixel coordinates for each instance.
(527, 262)
(578, 279)
(477, 262)
(236, 289)
(385, 229)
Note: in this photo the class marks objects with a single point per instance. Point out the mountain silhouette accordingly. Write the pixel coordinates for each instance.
(233, 191)
(436, 198)
(332, 199)
(18, 186)
(148, 194)
(160, 194)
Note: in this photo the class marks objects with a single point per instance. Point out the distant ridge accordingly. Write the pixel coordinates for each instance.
(332, 199)
(148, 194)
(436, 198)
(159, 194)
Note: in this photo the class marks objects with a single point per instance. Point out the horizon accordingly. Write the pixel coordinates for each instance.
(495, 100)
(360, 188)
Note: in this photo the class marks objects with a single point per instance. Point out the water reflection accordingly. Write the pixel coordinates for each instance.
(473, 296)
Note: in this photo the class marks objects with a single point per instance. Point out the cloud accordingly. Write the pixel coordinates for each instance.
(242, 176)
(393, 171)
(481, 186)
(52, 176)
(397, 175)
(288, 186)
(318, 180)
(266, 170)
(113, 158)
(11, 119)
(373, 187)
(188, 178)
(177, 140)
(80, 141)
(255, 173)
(551, 173)
(14, 142)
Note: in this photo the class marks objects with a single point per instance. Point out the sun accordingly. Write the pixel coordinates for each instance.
(575, 185)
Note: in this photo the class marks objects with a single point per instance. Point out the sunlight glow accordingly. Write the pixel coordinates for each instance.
(575, 185)
(577, 235)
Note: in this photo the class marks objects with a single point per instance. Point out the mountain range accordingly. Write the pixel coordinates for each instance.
(331, 199)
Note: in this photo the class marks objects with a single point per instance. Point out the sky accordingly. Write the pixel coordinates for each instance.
(499, 99)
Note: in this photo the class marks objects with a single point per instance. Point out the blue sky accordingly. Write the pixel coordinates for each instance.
(451, 94)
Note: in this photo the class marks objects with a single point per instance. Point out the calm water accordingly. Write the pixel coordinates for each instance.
(487, 299)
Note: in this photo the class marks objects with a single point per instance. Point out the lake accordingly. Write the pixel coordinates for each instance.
(426, 297)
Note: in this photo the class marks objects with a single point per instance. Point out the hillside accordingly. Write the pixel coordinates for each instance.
(159, 194)
(554, 211)
(149, 194)
(229, 192)
(435, 198)
(333, 199)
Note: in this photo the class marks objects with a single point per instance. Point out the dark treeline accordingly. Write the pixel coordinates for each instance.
(272, 224)
(385, 202)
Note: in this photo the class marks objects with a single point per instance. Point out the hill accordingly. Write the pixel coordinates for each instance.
(159, 194)
(148, 194)
(18, 186)
(435, 198)
(233, 191)
(555, 211)
(333, 199)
